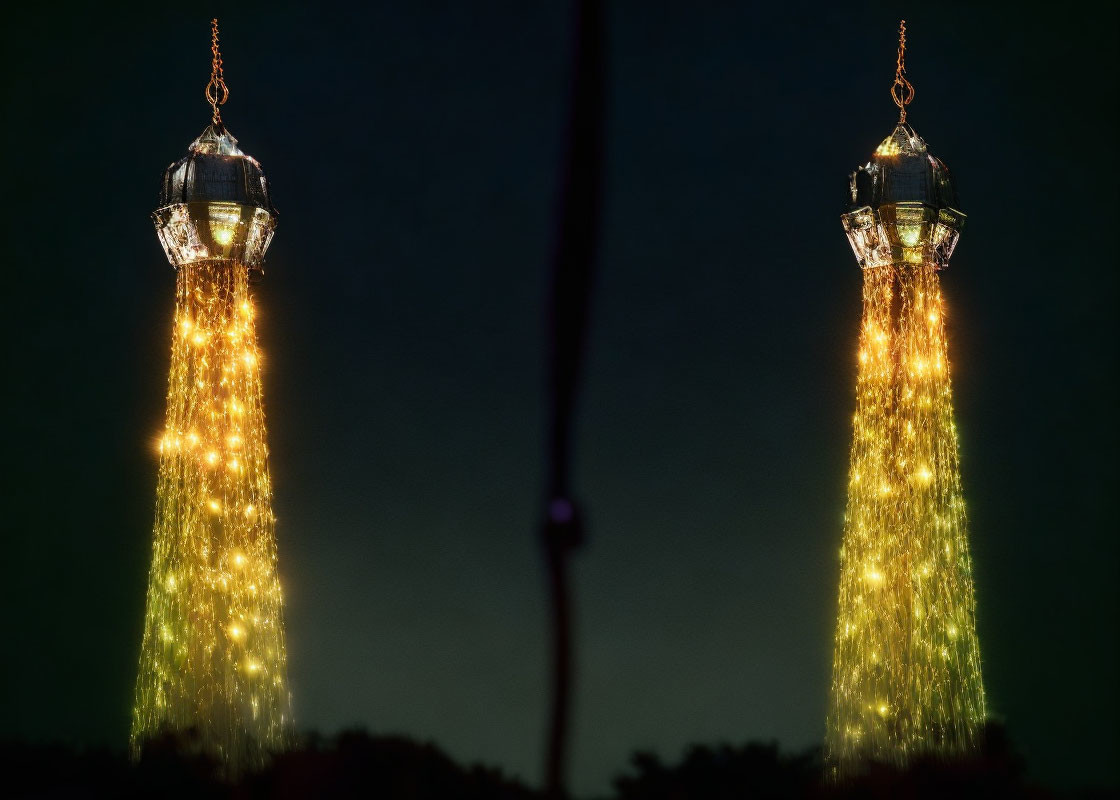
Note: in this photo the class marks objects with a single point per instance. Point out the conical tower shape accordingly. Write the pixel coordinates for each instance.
(213, 661)
(906, 675)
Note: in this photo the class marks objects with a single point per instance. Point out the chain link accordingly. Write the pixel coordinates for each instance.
(902, 92)
(217, 93)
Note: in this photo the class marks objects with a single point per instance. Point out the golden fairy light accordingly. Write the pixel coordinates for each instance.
(213, 658)
(906, 670)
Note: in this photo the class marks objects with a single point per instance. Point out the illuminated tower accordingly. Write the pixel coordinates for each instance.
(213, 659)
(906, 669)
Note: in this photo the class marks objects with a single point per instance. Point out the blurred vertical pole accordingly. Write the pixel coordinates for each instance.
(572, 270)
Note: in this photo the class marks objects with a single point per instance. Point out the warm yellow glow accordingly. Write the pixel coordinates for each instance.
(213, 630)
(888, 147)
(909, 235)
(906, 670)
(223, 235)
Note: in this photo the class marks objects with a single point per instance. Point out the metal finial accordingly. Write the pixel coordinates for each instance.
(217, 93)
(902, 91)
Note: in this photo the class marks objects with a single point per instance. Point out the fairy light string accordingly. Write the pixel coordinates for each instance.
(906, 668)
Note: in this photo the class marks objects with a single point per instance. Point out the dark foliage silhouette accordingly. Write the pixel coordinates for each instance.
(724, 771)
(762, 771)
(352, 764)
(357, 764)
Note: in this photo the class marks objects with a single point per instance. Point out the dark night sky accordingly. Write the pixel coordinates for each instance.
(412, 154)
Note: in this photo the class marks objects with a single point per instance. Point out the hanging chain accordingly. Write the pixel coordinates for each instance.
(902, 92)
(216, 91)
